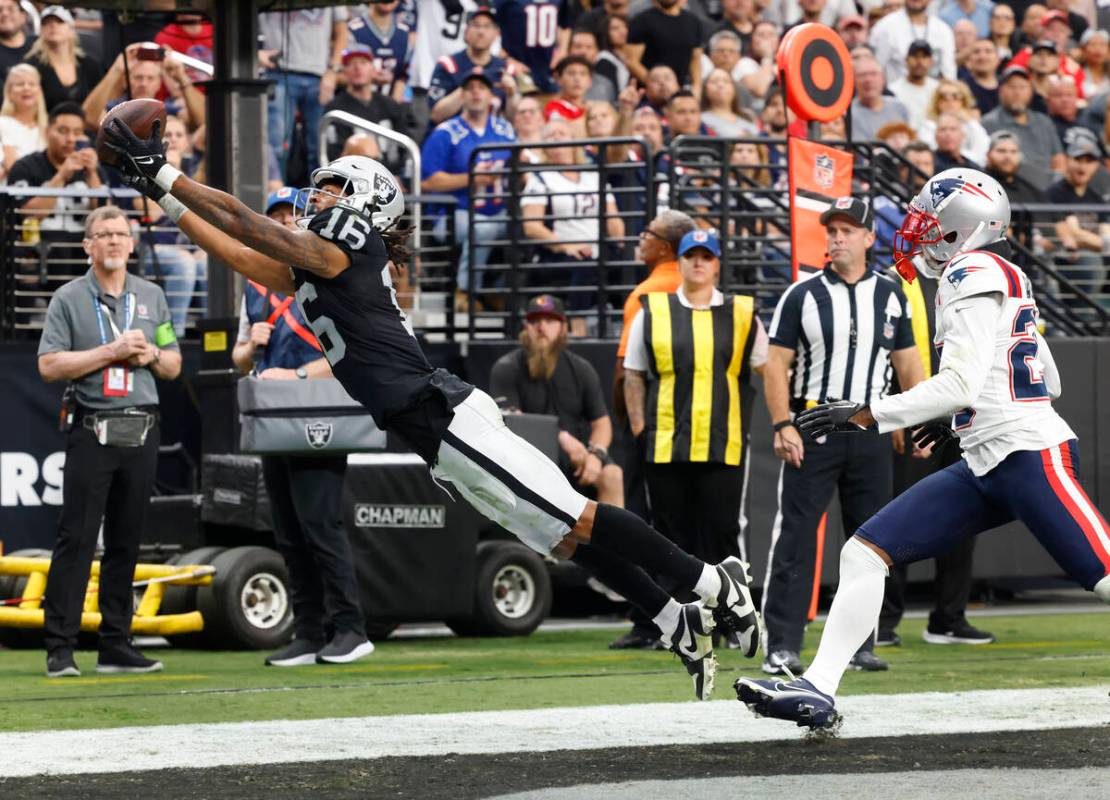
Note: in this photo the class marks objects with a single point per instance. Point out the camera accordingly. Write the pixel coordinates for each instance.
(150, 52)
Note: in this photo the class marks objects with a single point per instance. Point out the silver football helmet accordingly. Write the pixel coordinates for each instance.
(367, 187)
(957, 211)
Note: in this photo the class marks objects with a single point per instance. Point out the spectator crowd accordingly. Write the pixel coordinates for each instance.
(943, 83)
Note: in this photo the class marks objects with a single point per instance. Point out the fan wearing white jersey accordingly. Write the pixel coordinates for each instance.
(996, 383)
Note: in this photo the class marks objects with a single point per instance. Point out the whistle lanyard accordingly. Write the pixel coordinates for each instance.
(100, 310)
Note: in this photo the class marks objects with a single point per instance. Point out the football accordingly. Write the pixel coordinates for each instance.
(138, 115)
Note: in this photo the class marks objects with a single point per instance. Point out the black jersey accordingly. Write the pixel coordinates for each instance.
(368, 340)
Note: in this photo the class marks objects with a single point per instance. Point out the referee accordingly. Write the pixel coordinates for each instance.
(840, 330)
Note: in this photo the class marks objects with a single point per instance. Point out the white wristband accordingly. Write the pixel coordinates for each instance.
(166, 176)
(173, 207)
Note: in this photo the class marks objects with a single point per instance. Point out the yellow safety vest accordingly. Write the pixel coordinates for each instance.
(698, 398)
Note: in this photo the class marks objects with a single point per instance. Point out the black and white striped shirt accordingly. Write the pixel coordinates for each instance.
(842, 335)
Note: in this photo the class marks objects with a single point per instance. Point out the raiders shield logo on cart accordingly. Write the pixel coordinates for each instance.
(318, 434)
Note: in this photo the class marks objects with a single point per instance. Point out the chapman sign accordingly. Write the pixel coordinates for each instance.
(391, 515)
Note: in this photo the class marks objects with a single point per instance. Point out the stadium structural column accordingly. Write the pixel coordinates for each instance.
(236, 116)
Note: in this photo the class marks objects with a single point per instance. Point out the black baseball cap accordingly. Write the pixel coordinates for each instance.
(477, 74)
(855, 209)
(1013, 71)
(919, 46)
(545, 305)
(483, 11)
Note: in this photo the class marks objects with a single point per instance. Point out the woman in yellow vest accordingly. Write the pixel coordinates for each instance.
(687, 368)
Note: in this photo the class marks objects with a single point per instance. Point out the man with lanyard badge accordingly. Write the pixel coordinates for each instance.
(109, 334)
(306, 492)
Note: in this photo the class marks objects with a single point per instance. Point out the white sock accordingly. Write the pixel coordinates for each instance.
(708, 585)
(667, 619)
(852, 618)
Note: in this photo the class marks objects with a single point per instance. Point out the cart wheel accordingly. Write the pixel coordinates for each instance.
(12, 586)
(248, 605)
(378, 629)
(512, 592)
(183, 599)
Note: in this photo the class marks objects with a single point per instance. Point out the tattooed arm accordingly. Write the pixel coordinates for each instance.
(247, 262)
(635, 392)
(303, 249)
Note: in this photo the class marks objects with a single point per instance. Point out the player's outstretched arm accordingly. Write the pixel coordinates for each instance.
(247, 262)
(144, 158)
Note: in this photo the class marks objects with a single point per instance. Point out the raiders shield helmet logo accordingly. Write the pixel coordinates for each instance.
(384, 188)
(318, 434)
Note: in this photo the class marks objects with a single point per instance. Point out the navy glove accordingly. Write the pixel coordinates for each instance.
(139, 158)
(935, 433)
(829, 417)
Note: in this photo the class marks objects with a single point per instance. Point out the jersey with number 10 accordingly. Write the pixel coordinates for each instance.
(1014, 409)
(365, 335)
(529, 33)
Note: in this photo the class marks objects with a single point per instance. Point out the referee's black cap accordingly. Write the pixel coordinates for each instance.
(853, 208)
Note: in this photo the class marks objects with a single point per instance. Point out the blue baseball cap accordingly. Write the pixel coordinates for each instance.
(694, 239)
(286, 195)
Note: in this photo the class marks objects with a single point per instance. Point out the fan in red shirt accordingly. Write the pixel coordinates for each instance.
(575, 77)
(1055, 28)
(190, 36)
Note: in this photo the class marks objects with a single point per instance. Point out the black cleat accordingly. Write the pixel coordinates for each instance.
(783, 662)
(960, 633)
(298, 653)
(692, 641)
(636, 639)
(125, 659)
(795, 701)
(345, 647)
(734, 609)
(60, 664)
(866, 661)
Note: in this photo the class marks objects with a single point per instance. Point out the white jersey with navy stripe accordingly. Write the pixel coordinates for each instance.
(993, 358)
(438, 34)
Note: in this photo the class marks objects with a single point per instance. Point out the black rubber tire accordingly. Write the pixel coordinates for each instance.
(11, 586)
(378, 629)
(183, 599)
(524, 566)
(226, 626)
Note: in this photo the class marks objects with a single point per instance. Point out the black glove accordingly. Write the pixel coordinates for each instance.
(935, 433)
(144, 185)
(138, 157)
(829, 417)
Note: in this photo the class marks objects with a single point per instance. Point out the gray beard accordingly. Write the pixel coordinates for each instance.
(114, 264)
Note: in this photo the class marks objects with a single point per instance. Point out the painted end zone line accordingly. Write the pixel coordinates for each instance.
(285, 741)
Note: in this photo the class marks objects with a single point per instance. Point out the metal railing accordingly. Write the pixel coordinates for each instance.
(42, 250)
(748, 203)
(579, 245)
(410, 170)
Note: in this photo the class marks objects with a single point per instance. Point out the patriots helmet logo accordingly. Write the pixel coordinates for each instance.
(943, 188)
(956, 276)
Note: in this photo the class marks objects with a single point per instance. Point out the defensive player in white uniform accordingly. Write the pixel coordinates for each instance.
(996, 383)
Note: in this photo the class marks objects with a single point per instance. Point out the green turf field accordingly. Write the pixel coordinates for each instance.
(547, 669)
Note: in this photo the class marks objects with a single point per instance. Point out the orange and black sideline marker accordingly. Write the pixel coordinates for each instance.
(816, 72)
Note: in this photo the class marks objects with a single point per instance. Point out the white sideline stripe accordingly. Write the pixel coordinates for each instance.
(1079, 498)
(589, 728)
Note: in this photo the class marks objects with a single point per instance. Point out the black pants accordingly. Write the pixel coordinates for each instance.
(952, 585)
(306, 496)
(697, 506)
(109, 483)
(858, 466)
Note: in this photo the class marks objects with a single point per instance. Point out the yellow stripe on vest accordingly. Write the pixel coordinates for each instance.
(660, 309)
(920, 322)
(701, 396)
(742, 308)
